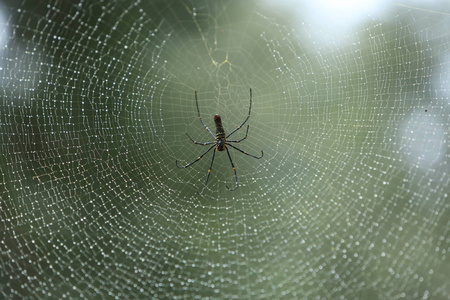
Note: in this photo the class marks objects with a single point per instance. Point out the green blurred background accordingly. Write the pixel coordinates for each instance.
(350, 106)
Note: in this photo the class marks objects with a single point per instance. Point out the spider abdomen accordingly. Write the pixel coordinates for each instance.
(220, 132)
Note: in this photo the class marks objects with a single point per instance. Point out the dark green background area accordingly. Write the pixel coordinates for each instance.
(349, 202)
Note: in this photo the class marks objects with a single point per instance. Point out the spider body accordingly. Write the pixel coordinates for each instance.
(220, 143)
(220, 134)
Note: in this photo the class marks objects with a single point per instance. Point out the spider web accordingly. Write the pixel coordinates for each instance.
(350, 200)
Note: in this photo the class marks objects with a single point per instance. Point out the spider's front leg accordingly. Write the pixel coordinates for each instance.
(209, 171)
(235, 174)
(198, 158)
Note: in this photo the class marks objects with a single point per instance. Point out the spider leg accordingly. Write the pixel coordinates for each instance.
(234, 170)
(248, 116)
(238, 141)
(200, 157)
(203, 144)
(209, 171)
(254, 156)
(200, 118)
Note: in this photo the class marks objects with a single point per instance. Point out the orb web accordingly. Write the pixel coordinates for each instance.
(349, 201)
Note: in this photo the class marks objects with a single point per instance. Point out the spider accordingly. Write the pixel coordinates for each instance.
(220, 143)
